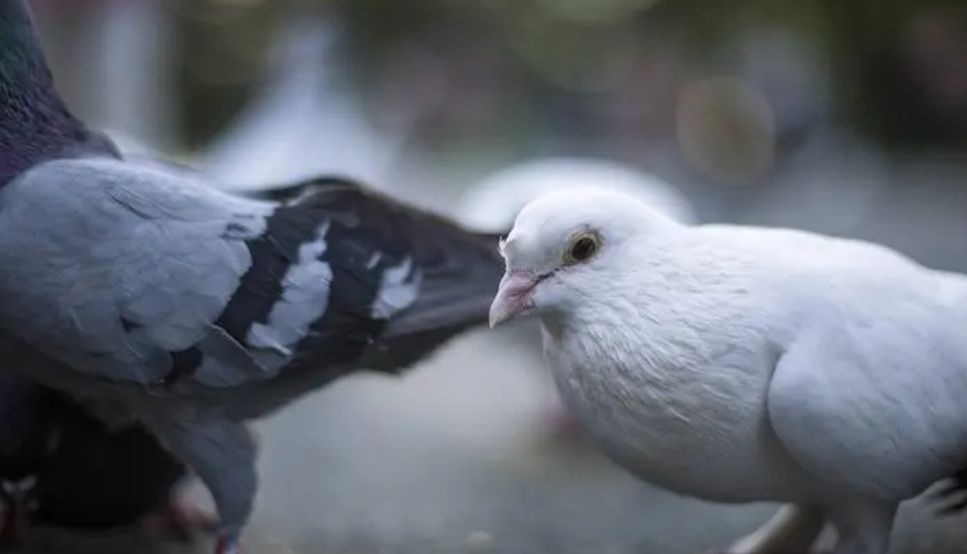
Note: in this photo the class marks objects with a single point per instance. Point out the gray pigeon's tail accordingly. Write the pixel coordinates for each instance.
(457, 271)
(448, 305)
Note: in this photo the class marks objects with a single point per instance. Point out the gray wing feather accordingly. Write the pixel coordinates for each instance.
(122, 243)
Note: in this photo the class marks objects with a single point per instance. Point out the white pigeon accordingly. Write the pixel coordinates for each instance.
(741, 364)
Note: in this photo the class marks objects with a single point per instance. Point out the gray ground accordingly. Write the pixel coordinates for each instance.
(453, 459)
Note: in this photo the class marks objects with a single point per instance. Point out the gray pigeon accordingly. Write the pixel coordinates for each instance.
(741, 364)
(151, 297)
(60, 467)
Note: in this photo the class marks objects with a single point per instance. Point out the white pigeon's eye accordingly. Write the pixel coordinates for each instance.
(582, 247)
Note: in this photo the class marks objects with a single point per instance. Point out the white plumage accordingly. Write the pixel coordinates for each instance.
(741, 364)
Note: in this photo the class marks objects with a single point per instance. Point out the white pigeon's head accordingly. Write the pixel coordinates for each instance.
(567, 245)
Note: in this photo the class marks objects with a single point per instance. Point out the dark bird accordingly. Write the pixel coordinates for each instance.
(61, 467)
(149, 296)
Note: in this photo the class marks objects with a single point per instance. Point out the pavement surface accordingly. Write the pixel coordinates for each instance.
(455, 458)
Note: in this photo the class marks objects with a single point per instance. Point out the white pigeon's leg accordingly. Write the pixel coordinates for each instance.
(223, 455)
(792, 530)
(864, 525)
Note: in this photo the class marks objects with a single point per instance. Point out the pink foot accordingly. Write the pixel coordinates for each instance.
(180, 518)
(227, 546)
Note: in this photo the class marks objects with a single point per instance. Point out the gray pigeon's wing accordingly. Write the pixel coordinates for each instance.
(143, 275)
(875, 401)
(122, 271)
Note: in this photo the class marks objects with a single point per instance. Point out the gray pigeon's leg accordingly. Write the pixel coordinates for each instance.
(864, 525)
(179, 517)
(223, 455)
(792, 530)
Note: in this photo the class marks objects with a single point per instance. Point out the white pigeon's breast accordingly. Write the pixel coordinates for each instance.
(698, 431)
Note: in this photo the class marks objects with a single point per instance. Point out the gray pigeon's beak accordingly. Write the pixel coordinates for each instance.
(514, 296)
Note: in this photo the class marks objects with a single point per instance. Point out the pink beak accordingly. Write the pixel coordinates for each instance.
(514, 295)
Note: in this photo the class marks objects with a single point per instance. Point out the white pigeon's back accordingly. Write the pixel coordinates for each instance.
(823, 272)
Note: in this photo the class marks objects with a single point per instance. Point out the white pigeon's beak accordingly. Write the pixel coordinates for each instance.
(514, 295)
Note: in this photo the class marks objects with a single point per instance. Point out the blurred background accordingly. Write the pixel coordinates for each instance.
(846, 117)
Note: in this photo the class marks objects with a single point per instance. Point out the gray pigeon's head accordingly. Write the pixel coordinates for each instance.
(563, 245)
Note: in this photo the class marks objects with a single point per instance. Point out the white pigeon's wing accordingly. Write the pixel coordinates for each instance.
(874, 399)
